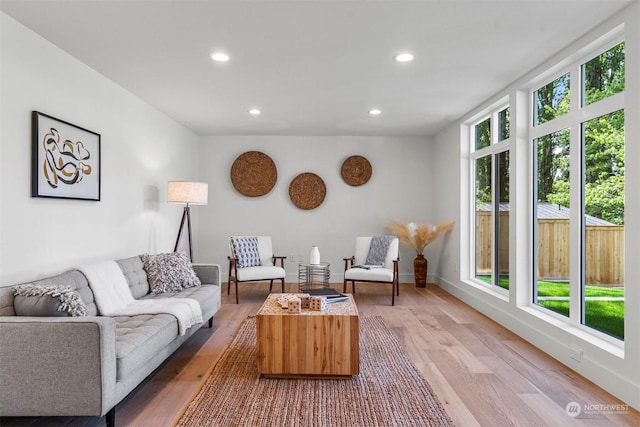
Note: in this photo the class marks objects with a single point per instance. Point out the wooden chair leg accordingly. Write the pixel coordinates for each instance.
(270, 285)
(237, 298)
(393, 293)
(344, 287)
(353, 286)
(282, 285)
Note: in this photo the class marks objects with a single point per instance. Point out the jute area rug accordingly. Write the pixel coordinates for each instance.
(388, 392)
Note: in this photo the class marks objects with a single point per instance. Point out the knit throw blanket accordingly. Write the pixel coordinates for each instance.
(378, 250)
(113, 297)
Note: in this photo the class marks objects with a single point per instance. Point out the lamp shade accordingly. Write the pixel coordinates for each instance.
(193, 193)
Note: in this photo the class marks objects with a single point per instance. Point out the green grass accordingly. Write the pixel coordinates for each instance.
(561, 289)
(604, 316)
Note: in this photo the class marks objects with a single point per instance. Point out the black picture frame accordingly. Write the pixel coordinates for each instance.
(65, 159)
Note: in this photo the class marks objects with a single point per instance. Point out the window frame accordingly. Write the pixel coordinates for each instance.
(494, 149)
(521, 199)
(573, 121)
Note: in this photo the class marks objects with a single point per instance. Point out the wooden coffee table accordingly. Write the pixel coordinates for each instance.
(310, 343)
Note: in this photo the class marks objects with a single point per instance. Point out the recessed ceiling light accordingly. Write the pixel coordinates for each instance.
(375, 112)
(220, 57)
(403, 57)
(255, 112)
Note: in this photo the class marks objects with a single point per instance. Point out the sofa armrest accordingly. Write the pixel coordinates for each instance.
(57, 365)
(209, 274)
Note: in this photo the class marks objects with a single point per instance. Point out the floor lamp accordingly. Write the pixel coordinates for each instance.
(189, 193)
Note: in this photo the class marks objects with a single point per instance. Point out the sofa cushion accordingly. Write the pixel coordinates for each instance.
(374, 274)
(169, 272)
(245, 251)
(259, 273)
(36, 300)
(139, 338)
(133, 270)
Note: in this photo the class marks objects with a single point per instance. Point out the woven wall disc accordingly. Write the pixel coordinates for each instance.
(253, 174)
(356, 170)
(307, 190)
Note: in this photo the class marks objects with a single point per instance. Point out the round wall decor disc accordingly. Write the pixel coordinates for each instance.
(307, 190)
(253, 174)
(356, 170)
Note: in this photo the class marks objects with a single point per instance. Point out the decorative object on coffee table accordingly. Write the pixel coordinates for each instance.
(253, 174)
(356, 170)
(294, 305)
(318, 303)
(418, 236)
(194, 193)
(307, 191)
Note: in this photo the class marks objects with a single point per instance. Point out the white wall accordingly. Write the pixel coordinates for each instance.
(400, 188)
(141, 150)
(616, 370)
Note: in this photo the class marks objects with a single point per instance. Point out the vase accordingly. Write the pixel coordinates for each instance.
(314, 256)
(420, 265)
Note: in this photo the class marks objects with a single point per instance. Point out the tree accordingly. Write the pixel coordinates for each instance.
(603, 139)
(552, 101)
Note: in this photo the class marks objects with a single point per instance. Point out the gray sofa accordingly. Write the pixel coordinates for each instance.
(84, 366)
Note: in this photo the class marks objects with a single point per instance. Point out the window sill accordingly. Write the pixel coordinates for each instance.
(610, 345)
(488, 289)
(614, 348)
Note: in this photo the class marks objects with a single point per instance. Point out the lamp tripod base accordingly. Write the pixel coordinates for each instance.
(183, 241)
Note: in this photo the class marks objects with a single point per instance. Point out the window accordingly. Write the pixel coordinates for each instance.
(551, 220)
(578, 188)
(490, 153)
(551, 100)
(603, 76)
(602, 302)
(570, 155)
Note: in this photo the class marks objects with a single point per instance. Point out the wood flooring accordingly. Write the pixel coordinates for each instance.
(483, 374)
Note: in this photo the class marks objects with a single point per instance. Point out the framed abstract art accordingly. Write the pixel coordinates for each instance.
(65, 160)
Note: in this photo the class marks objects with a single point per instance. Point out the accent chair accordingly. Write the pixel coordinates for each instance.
(367, 266)
(251, 259)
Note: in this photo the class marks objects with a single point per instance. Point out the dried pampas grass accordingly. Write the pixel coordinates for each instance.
(418, 236)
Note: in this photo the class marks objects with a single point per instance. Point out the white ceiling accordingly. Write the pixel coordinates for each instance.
(312, 67)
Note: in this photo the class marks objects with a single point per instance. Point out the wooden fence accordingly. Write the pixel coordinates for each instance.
(604, 249)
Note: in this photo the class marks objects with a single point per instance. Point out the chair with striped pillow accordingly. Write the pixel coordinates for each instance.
(251, 259)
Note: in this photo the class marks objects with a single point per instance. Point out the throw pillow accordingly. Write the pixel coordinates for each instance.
(36, 300)
(245, 251)
(169, 272)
